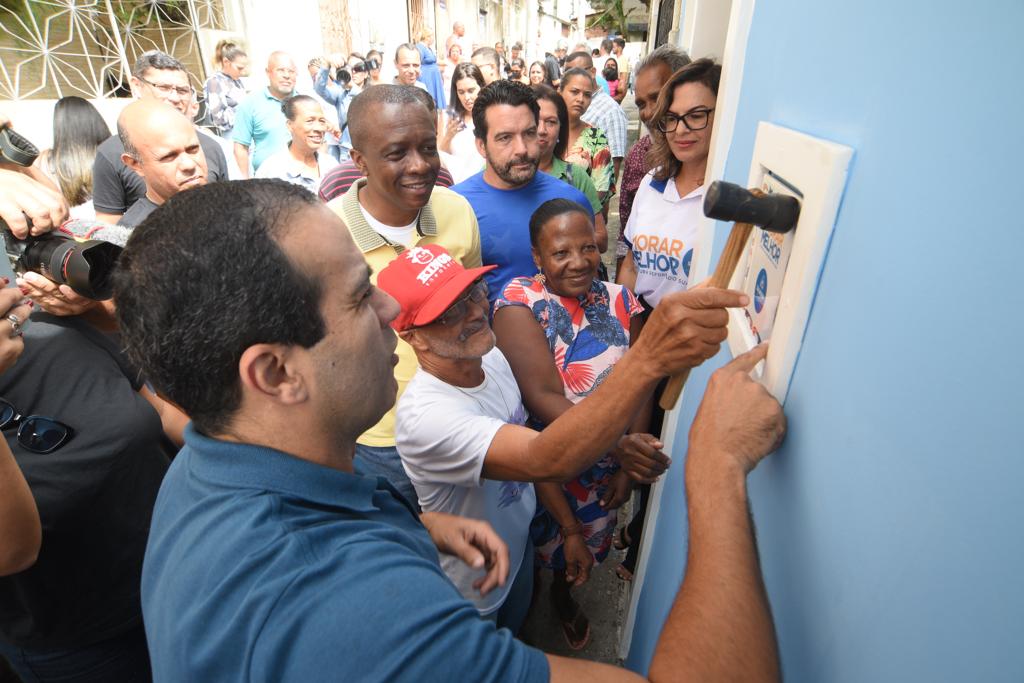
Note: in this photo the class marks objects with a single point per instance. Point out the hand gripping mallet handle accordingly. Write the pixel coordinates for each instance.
(729, 202)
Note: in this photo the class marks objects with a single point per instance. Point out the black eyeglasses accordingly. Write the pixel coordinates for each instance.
(35, 433)
(692, 120)
(166, 88)
(457, 311)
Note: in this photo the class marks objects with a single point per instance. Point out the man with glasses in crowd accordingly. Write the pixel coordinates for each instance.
(159, 77)
(259, 121)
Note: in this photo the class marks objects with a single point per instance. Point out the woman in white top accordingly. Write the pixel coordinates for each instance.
(457, 139)
(78, 129)
(303, 162)
(662, 229)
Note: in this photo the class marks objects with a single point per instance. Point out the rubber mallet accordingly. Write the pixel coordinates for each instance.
(747, 208)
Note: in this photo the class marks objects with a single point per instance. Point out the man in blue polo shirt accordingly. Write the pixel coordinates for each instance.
(509, 189)
(269, 560)
(259, 121)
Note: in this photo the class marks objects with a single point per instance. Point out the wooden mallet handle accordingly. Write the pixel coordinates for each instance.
(729, 202)
(738, 237)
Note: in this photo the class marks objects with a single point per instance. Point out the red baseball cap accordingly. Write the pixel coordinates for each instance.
(425, 281)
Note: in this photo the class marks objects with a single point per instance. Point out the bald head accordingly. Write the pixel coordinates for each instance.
(162, 146)
(281, 74)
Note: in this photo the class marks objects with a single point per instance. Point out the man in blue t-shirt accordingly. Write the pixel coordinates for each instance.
(507, 192)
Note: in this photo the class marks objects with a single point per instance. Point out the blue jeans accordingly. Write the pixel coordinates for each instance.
(383, 461)
(123, 658)
(512, 612)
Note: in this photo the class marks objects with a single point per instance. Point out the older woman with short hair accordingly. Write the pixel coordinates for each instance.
(562, 332)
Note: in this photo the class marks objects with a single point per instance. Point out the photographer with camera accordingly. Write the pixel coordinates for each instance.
(337, 83)
(90, 439)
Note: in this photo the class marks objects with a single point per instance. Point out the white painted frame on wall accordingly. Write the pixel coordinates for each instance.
(733, 57)
(817, 169)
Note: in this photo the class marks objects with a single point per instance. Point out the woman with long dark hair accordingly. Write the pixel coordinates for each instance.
(553, 137)
(588, 146)
(458, 139)
(78, 129)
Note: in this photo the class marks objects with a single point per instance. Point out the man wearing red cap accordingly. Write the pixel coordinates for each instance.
(397, 207)
(459, 425)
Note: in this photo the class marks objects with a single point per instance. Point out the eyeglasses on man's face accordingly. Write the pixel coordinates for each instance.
(692, 120)
(166, 89)
(36, 433)
(457, 311)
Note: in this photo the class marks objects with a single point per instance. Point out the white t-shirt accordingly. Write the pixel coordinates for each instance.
(286, 167)
(662, 235)
(443, 433)
(467, 160)
(404, 235)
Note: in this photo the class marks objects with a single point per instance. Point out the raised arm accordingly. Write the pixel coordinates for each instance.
(720, 627)
(684, 331)
(20, 531)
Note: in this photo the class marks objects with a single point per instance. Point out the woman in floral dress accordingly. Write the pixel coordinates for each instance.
(562, 332)
(588, 146)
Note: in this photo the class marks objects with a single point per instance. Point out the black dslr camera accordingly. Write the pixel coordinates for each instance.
(85, 266)
(343, 74)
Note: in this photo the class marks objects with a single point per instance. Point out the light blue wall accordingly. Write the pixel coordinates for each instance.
(890, 522)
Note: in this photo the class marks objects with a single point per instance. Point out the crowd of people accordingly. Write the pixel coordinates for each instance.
(363, 374)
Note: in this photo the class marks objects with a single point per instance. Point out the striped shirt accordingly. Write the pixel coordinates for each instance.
(337, 181)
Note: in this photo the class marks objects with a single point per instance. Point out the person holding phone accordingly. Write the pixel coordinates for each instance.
(458, 139)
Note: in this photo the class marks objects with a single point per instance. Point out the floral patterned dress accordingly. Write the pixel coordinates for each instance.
(591, 151)
(587, 335)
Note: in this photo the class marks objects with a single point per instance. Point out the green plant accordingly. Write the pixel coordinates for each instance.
(612, 15)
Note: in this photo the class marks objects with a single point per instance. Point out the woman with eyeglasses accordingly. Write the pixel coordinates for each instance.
(90, 439)
(562, 331)
(224, 90)
(662, 229)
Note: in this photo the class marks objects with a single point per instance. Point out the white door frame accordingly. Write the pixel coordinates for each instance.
(733, 58)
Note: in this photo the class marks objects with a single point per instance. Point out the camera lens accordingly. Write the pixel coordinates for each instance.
(84, 266)
(341, 75)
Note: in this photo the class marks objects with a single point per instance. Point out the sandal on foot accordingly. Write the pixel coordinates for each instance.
(571, 629)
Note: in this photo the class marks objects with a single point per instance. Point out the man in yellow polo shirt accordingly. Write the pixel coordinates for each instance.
(396, 207)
